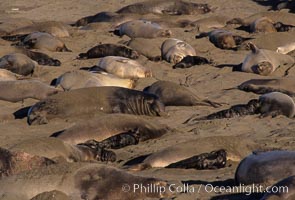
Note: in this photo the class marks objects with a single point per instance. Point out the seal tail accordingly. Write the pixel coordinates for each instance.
(138, 167)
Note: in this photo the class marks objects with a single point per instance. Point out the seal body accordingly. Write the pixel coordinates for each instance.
(189, 61)
(172, 94)
(6, 75)
(95, 101)
(101, 128)
(18, 63)
(265, 167)
(174, 50)
(124, 67)
(263, 24)
(103, 50)
(19, 90)
(81, 79)
(286, 48)
(142, 29)
(264, 62)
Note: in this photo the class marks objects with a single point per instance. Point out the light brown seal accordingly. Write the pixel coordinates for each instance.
(6, 75)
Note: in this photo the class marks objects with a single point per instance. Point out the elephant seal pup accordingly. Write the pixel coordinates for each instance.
(262, 86)
(174, 7)
(174, 50)
(103, 50)
(235, 151)
(40, 58)
(123, 67)
(18, 63)
(189, 61)
(172, 94)
(82, 79)
(265, 167)
(83, 181)
(6, 75)
(141, 29)
(287, 192)
(264, 62)
(19, 90)
(43, 41)
(95, 101)
(224, 39)
(54, 148)
(286, 48)
(101, 128)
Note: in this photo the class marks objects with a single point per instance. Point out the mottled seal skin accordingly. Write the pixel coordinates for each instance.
(189, 61)
(172, 94)
(15, 162)
(18, 63)
(123, 67)
(95, 101)
(235, 150)
(19, 90)
(102, 127)
(82, 79)
(287, 192)
(264, 62)
(43, 41)
(224, 39)
(103, 50)
(262, 86)
(286, 48)
(174, 50)
(265, 167)
(81, 181)
(174, 7)
(142, 29)
(6, 75)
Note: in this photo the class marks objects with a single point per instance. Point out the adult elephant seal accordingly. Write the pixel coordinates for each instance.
(283, 190)
(262, 86)
(122, 67)
(102, 127)
(82, 79)
(174, 155)
(141, 29)
(264, 62)
(265, 168)
(224, 39)
(174, 50)
(95, 101)
(103, 50)
(18, 63)
(43, 41)
(82, 181)
(19, 90)
(172, 94)
(174, 7)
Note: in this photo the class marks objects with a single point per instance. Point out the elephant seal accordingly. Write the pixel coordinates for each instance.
(265, 167)
(81, 79)
(174, 50)
(123, 67)
(18, 63)
(270, 104)
(95, 101)
(189, 61)
(224, 39)
(19, 90)
(172, 94)
(286, 48)
(262, 86)
(101, 128)
(82, 181)
(6, 75)
(141, 29)
(286, 191)
(54, 148)
(40, 58)
(205, 24)
(103, 50)
(174, 7)
(235, 151)
(43, 41)
(264, 62)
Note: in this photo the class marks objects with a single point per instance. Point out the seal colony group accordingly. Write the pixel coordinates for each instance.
(114, 111)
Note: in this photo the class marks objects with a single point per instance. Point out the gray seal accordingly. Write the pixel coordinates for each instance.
(95, 101)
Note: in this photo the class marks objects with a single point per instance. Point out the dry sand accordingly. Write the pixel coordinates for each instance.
(206, 81)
